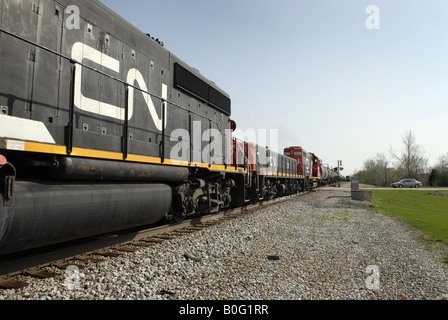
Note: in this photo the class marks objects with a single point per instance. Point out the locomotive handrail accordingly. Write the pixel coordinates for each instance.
(71, 60)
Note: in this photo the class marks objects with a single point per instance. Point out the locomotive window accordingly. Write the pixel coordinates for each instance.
(297, 153)
(287, 153)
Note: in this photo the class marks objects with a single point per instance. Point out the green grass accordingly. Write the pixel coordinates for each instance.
(421, 210)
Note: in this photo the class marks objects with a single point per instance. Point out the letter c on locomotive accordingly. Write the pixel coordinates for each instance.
(81, 51)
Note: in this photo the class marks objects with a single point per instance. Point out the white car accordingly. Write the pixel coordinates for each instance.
(410, 183)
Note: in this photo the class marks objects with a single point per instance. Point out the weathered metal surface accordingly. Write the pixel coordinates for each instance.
(49, 213)
(106, 170)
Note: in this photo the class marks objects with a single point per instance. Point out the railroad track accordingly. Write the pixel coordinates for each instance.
(18, 269)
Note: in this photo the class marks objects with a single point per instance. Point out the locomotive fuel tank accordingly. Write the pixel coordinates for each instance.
(96, 169)
(44, 213)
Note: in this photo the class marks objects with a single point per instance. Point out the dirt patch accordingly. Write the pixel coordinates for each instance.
(438, 193)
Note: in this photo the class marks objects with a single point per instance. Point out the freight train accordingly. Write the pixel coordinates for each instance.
(103, 129)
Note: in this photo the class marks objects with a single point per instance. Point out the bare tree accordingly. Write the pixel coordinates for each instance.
(412, 159)
(376, 171)
(442, 165)
(382, 169)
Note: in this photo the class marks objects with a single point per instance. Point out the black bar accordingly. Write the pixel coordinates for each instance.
(246, 156)
(210, 141)
(163, 131)
(190, 131)
(126, 122)
(189, 82)
(71, 109)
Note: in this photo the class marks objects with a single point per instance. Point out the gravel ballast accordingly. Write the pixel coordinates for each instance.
(321, 245)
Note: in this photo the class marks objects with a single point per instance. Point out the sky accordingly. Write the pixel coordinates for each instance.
(331, 76)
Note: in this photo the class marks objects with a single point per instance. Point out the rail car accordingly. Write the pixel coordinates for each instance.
(102, 129)
(311, 172)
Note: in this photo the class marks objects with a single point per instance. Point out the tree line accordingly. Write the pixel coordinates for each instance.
(410, 163)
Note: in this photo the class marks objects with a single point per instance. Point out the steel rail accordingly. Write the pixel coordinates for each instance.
(28, 262)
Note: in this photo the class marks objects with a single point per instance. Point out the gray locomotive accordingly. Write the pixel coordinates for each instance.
(102, 129)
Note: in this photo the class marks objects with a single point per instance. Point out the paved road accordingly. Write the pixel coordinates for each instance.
(346, 186)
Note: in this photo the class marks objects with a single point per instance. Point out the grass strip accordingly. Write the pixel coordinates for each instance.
(426, 212)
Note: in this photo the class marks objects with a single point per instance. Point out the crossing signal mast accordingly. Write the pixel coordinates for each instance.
(339, 172)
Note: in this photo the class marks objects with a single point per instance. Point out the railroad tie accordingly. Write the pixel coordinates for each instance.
(107, 253)
(40, 274)
(13, 284)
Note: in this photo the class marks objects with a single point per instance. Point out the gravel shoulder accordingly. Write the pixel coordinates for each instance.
(312, 247)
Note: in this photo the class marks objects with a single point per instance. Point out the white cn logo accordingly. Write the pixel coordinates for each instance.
(373, 20)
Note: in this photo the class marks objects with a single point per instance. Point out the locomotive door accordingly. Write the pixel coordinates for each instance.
(20, 60)
(46, 65)
(195, 139)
